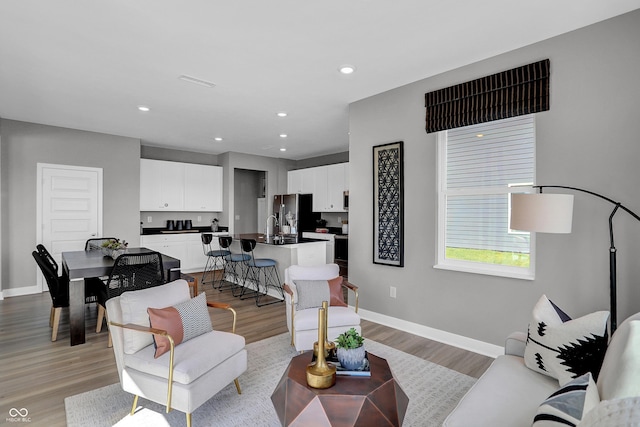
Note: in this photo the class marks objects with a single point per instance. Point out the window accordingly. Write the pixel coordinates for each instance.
(478, 167)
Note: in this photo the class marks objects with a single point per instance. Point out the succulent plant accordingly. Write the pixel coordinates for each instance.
(349, 339)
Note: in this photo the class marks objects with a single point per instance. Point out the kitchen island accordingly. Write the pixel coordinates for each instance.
(285, 250)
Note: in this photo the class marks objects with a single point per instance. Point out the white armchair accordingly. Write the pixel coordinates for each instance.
(187, 375)
(303, 324)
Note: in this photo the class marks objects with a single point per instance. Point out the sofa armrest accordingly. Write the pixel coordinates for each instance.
(515, 344)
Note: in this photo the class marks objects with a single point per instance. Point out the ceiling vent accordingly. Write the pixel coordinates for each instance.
(196, 81)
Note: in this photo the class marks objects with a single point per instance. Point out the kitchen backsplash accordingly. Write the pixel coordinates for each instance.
(335, 219)
(159, 219)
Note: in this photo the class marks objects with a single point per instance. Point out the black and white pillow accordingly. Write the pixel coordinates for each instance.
(565, 348)
(568, 405)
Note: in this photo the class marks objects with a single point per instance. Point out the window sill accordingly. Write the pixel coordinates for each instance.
(485, 271)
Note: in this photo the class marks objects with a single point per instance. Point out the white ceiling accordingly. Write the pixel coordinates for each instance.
(89, 64)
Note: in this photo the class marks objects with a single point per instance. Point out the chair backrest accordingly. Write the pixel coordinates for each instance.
(135, 271)
(310, 272)
(58, 290)
(247, 245)
(225, 241)
(96, 243)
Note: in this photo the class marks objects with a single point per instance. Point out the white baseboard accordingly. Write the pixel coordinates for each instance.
(455, 340)
(1, 296)
(27, 290)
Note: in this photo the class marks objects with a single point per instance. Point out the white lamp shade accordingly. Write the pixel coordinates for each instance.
(543, 213)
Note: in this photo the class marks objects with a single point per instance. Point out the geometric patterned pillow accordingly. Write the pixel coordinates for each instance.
(183, 322)
(565, 348)
(568, 405)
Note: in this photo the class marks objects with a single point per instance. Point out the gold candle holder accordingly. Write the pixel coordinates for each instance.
(329, 346)
(321, 374)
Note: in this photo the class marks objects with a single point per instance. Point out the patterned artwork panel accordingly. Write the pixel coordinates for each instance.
(388, 204)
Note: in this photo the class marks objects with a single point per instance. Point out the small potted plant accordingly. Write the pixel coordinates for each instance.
(350, 350)
(114, 248)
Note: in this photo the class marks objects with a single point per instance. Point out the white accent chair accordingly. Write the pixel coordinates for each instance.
(303, 324)
(188, 375)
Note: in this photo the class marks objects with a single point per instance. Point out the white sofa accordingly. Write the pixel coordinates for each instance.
(508, 394)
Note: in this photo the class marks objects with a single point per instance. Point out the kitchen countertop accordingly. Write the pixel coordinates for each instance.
(277, 240)
(162, 230)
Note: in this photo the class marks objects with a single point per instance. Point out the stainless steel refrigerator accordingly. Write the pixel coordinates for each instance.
(294, 214)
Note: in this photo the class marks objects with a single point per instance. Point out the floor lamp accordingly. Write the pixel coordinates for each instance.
(552, 213)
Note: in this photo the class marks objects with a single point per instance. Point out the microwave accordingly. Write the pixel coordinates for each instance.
(345, 200)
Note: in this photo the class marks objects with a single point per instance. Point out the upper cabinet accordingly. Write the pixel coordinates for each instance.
(326, 183)
(174, 186)
(203, 188)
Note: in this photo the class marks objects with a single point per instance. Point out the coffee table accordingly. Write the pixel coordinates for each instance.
(353, 401)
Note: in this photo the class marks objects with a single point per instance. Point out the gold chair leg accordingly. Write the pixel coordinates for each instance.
(100, 318)
(56, 323)
(188, 420)
(237, 386)
(135, 405)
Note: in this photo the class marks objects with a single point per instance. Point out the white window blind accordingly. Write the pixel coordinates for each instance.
(479, 166)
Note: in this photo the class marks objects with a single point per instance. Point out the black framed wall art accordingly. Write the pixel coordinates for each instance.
(388, 204)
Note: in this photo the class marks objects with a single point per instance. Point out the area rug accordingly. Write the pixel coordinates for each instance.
(433, 391)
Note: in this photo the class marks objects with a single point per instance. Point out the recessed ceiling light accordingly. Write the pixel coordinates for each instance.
(281, 114)
(480, 135)
(217, 138)
(143, 108)
(283, 135)
(347, 69)
(283, 149)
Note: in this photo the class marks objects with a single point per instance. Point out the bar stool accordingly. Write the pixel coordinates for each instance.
(214, 258)
(231, 264)
(254, 267)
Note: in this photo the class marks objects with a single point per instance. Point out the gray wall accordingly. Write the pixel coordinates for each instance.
(329, 159)
(276, 176)
(26, 144)
(247, 186)
(588, 139)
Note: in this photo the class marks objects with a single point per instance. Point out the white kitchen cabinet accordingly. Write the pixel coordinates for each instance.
(161, 185)
(174, 186)
(335, 188)
(301, 181)
(203, 188)
(326, 183)
(187, 247)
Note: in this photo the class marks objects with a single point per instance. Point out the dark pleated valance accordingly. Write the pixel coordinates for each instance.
(522, 90)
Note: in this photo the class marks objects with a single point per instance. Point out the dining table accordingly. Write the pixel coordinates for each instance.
(79, 265)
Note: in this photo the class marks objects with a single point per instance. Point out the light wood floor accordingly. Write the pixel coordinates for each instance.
(38, 374)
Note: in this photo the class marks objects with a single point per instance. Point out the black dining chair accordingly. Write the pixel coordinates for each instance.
(132, 272)
(58, 287)
(215, 260)
(97, 283)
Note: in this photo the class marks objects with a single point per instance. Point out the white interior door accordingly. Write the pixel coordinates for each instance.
(69, 206)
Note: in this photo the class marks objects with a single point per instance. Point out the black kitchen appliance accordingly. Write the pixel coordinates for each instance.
(300, 207)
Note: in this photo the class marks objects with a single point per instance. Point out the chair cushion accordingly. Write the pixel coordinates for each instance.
(216, 345)
(614, 412)
(565, 349)
(218, 253)
(337, 316)
(568, 405)
(182, 321)
(134, 306)
(620, 374)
